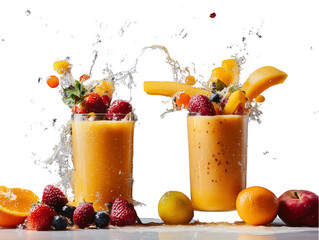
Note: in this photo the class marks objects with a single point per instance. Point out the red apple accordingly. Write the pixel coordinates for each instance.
(299, 208)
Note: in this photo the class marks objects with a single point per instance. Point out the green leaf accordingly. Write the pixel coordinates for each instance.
(75, 94)
(220, 85)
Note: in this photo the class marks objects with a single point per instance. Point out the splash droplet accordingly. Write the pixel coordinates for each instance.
(27, 12)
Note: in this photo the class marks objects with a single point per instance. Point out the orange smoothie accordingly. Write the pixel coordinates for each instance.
(217, 160)
(103, 160)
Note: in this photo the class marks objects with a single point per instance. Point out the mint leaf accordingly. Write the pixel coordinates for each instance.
(75, 94)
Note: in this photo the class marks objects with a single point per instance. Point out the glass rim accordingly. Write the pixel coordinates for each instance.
(217, 115)
(103, 117)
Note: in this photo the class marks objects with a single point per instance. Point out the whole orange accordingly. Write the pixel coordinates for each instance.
(257, 205)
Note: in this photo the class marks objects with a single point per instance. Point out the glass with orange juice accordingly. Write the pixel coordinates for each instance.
(217, 160)
(103, 159)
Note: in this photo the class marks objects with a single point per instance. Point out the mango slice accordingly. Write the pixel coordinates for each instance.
(228, 73)
(223, 75)
(236, 99)
(232, 66)
(262, 79)
(169, 89)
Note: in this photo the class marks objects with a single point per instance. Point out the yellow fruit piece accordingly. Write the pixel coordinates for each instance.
(257, 205)
(216, 107)
(15, 204)
(221, 74)
(62, 67)
(105, 87)
(232, 66)
(190, 80)
(175, 208)
(262, 79)
(169, 89)
(236, 99)
(260, 99)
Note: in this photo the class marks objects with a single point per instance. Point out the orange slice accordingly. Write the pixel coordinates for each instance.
(169, 89)
(262, 79)
(15, 204)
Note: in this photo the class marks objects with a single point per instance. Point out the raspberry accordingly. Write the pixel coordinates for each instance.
(122, 213)
(84, 215)
(40, 217)
(118, 110)
(92, 102)
(201, 105)
(54, 197)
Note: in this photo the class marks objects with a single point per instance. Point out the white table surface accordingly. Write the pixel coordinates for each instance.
(164, 232)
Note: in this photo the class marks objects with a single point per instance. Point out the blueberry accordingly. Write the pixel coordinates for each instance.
(67, 211)
(59, 222)
(215, 97)
(101, 219)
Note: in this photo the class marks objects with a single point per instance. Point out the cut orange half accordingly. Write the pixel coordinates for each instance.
(15, 204)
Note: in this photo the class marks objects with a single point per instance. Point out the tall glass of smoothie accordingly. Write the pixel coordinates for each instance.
(217, 160)
(103, 159)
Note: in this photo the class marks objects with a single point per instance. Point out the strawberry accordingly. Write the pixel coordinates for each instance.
(118, 110)
(122, 213)
(83, 215)
(200, 104)
(92, 102)
(107, 100)
(40, 217)
(54, 197)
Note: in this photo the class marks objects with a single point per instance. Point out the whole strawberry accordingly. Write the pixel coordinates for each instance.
(118, 110)
(54, 197)
(201, 105)
(40, 217)
(84, 215)
(122, 213)
(92, 102)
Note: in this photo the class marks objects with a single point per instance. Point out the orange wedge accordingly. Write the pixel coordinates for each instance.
(15, 204)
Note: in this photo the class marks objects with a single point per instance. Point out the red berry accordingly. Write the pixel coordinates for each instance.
(53, 81)
(223, 102)
(107, 100)
(84, 77)
(83, 215)
(118, 110)
(92, 102)
(200, 104)
(122, 213)
(54, 197)
(40, 217)
(212, 15)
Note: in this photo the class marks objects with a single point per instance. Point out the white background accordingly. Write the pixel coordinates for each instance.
(283, 149)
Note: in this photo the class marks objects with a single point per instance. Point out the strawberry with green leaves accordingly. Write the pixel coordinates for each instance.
(82, 102)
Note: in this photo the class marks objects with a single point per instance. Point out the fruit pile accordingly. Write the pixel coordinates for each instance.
(94, 98)
(53, 212)
(255, 206)
(223, 93)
